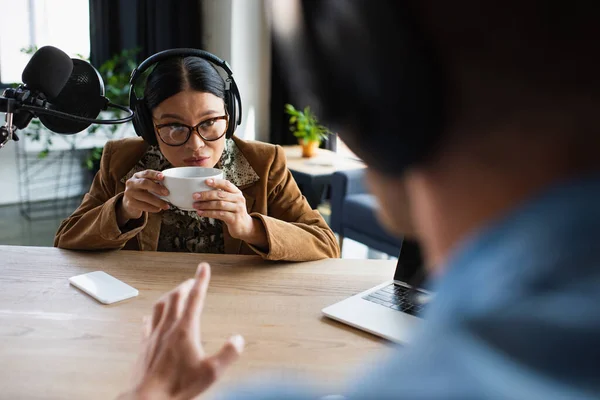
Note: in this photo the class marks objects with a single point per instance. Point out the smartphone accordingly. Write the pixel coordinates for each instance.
(103, 287)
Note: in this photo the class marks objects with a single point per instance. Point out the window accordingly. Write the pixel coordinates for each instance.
(64, 24)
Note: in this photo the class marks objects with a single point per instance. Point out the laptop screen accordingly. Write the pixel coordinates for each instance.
(409, 268)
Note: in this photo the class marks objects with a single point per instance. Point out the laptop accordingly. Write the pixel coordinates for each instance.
(392, 309)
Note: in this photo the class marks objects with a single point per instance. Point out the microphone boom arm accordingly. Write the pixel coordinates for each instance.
(41, 110)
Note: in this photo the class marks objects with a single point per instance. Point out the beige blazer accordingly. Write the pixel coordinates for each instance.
(295, 232)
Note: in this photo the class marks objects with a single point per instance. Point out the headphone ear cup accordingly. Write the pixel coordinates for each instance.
(142, 122)
(232, 112)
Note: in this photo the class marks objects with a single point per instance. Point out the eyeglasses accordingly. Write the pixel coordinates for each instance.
(176, 134)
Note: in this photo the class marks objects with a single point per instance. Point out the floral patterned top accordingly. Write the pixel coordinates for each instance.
(186, 231)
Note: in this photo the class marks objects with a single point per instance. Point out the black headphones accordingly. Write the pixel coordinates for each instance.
(142, 119)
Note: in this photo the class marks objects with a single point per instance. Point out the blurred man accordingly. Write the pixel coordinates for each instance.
(486, 114)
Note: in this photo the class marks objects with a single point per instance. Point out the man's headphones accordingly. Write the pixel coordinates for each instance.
(142, 118)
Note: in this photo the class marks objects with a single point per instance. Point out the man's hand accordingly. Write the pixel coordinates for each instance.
(172, 364)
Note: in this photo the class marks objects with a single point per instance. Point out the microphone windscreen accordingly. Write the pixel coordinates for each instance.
(82, 95)
(47, 71)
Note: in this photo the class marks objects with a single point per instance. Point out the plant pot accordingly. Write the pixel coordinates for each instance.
(309, 147)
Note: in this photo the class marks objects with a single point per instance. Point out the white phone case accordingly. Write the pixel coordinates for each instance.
(103, 287)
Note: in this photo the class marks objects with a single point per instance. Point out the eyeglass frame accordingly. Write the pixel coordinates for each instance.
(192, 129)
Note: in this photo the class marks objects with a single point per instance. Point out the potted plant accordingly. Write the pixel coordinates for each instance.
(306, 127)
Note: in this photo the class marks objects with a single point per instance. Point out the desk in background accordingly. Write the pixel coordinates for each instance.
(313, 174)
(60, 343)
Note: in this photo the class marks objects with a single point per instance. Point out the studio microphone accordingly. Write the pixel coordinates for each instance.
(67, 95)
(44, 77)
(82, 97)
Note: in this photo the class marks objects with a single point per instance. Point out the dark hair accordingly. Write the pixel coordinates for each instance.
(387, 72)
(177, 74)
(353, 64)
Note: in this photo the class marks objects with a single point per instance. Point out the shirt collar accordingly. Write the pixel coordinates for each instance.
(528, 243)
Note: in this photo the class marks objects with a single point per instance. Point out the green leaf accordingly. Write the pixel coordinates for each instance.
(304, 124)
(43, 154)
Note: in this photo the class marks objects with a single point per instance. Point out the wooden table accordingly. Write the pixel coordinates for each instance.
(57, 342)
(314, 174)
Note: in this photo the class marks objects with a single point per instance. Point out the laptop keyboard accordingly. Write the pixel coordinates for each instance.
(395, 297)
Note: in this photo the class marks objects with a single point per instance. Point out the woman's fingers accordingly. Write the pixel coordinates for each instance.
(147, 180)
(149, 174)
(221, 205)
(150, 199)
(220, 200)
(143, 206)
(222, 184)
(141, 192)
(150, 186)
(226, 216)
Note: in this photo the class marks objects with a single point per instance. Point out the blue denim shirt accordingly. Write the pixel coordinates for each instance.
(516, 314)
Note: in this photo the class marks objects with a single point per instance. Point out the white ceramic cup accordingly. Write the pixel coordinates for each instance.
(183, 182)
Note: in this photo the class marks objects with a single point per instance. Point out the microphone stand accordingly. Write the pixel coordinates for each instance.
(7, 132)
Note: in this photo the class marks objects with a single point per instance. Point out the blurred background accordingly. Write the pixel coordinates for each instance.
(45, 175)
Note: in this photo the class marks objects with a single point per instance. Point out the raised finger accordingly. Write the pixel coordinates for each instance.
(157, 314)
(176, 304)
(197, 294)
(146, 327)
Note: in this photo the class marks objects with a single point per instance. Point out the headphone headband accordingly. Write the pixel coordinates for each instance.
(142, 120)
(181, 52)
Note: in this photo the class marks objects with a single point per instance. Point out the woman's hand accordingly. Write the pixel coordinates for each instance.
(140, 195)
(228, 204)
(172, 364)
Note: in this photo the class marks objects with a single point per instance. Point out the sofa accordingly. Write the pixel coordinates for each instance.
(353, 213)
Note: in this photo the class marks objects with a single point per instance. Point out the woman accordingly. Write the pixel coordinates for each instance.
(256, 209)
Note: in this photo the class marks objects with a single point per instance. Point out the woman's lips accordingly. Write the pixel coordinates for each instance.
(197, 161)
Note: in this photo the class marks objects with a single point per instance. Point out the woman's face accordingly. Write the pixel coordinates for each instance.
(190, 108)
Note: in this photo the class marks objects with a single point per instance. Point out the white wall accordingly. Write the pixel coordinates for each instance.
(238, 32)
